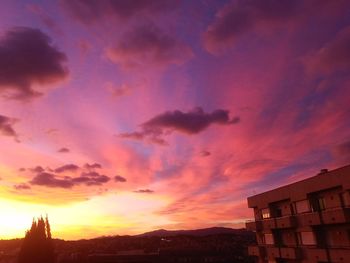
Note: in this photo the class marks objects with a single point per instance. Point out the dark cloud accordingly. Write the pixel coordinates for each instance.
(333, 56)
(132, 135)
(63, 150)
(27, 57)
(53, 180)
(192, 122)
(67, 168)
(50, 180)
(119, 178)
(91, 178)
(90, 11)
(37, 169)
(6, 124)
(144, 191)
(92, 166)
(22, 186)
(205, 153)
(147, 45)
(140, 136)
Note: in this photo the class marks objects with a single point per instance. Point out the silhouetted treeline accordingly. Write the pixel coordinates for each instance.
(37, 246)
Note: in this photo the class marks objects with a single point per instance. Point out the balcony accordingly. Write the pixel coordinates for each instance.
(290, 253)
(273, 252)
(269, 223)
(253, 225)
(285, 222)
(315, 254)
(309, 219)
(336, 216)
(339, 255)
(256, 251)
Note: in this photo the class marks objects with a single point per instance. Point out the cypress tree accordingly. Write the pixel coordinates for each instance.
(37, 246)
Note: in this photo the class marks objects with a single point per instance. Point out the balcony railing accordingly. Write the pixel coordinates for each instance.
(339, 255)
(285, 222)
(254, 225)
(290, 253)
(269, 223)
(256, 251)
(336, 215)
(315, 254)
(309, 219)
(273, 252)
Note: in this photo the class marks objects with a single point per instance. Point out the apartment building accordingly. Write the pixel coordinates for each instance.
(306, 221)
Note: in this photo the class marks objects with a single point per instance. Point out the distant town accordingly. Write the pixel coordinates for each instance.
(203, 245)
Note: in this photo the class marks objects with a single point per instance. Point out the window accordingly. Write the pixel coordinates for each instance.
(302, 206)
(269, 239)
(346, 198)
(321, 203)
(307, 238)
(265, 213)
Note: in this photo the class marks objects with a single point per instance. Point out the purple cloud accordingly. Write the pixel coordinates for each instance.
(67, 168)
(6, 124)
(192, 122)
(119, 178)
(27, 57)
(205, 153)
(37, 169)
(92, 166)
(91, 11)
(50, 180)
(53, 180)
(147, 45)
(144, 191)
(63, 150)
(91, 178)
(240, 17)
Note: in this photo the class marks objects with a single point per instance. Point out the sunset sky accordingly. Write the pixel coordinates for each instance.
(121, 117)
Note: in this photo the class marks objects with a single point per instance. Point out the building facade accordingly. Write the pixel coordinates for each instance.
(306, 221)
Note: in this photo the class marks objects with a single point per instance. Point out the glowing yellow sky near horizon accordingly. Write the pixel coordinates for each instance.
(126, 213)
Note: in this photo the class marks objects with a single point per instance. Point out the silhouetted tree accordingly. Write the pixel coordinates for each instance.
(37, 246)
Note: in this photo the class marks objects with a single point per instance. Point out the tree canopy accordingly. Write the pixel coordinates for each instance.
(37, 245)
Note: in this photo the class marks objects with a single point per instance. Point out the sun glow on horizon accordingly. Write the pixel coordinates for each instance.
(92, 218)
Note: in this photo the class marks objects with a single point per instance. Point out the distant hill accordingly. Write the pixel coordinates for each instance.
(196, 232)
